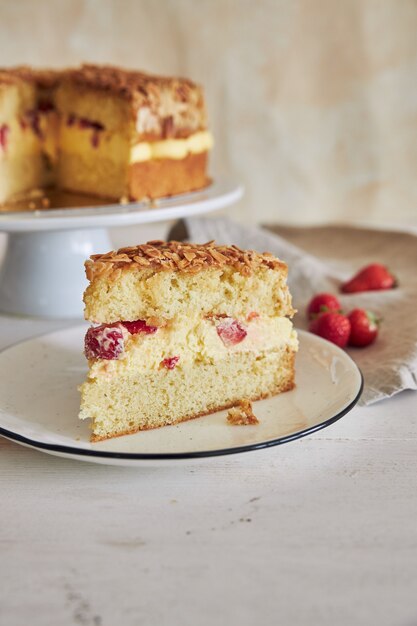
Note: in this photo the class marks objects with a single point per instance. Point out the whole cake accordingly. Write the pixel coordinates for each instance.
(181, 330)
(103, 131)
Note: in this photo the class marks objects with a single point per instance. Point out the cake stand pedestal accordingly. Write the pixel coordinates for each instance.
(42, 273)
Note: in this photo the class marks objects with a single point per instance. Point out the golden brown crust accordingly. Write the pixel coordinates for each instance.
(159, 178)
(175, 256)
(282, 388)
(45, 79)
(129, 84)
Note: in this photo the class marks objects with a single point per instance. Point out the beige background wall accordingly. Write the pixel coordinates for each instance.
(313, 102)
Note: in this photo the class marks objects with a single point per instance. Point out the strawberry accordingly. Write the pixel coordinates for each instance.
(364, 327)
(322, 303)
(170, 362)
(334, 327)
(371, 278)
(230, 331)
(104, 342)
(139, 326)
(4, 132)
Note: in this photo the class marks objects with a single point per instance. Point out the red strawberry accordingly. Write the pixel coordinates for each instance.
(364, 327)
(170, 362)
(371, 278)
(104, 342)
(322, 303)
(139, 326)
(230, 331)
(334, 327)
(4, 132)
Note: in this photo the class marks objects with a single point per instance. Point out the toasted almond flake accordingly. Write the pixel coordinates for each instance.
(115, 275)
(142, 261)
(154, 253)
(246, 259)
(218, 256)
(127, 250)
(246, 271)
(189, 255)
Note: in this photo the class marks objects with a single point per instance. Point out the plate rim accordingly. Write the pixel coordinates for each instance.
(170, 456)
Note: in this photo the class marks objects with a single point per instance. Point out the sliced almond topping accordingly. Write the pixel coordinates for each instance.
(246, 271)
(189, 255)
(115, 275)
(173, 255)
(142, 261)
(154, 253)
(127, 250)
(218, 256)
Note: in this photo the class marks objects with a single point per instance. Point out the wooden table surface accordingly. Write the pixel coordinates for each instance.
(319, 531)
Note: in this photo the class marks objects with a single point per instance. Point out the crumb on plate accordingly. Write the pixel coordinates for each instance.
(241, 414)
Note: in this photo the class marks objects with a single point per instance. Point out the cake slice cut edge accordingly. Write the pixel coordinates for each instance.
(185, 357)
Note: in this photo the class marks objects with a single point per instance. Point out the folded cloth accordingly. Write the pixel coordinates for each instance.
(328, 256)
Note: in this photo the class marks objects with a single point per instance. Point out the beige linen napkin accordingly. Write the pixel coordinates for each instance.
(319, 259)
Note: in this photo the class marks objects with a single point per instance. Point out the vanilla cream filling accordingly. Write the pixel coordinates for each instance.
(172, 148)
(195, 342)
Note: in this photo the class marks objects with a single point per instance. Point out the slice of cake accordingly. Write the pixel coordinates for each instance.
(182, 330)
(102, 131)
(28, 131)
(130, 134)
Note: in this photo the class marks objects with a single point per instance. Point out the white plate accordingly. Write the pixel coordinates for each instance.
(39, 404)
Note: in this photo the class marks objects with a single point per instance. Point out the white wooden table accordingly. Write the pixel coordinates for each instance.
(319, 531)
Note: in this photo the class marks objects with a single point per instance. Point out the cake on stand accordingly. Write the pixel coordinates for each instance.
(42, 273)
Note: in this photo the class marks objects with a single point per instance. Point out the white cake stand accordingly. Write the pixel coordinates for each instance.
(42, 273)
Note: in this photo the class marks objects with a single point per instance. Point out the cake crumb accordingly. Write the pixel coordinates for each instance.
(242, 414)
